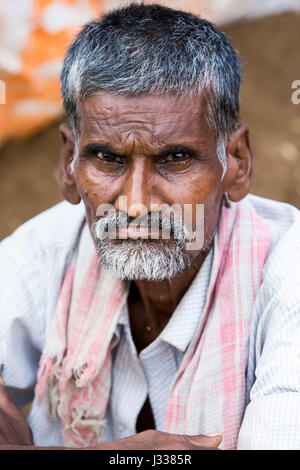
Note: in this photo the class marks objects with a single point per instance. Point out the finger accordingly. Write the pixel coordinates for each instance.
(212, 440)
(6, 402)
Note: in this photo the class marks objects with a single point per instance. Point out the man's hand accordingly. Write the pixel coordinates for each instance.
(13, 427)
(157, 440)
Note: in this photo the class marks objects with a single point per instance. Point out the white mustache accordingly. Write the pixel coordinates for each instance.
(155, 222)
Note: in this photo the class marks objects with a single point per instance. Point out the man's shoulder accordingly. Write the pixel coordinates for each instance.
(55, 228)
(281, 273)
(280, 217)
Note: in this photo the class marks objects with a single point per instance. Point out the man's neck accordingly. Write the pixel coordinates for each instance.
(152, 303)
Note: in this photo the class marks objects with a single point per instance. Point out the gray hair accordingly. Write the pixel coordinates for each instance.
(156, 50)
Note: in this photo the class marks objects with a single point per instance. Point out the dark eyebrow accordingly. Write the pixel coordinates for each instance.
(94, 148)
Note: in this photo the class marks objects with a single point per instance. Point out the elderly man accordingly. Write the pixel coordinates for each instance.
(160, 304)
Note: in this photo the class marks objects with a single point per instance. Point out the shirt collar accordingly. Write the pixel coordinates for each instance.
(182, 325)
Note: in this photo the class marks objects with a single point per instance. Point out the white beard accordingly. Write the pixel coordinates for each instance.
(143, 259)
(133, 259)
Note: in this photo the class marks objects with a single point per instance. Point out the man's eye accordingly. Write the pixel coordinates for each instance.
(176, 157)
(110, 157)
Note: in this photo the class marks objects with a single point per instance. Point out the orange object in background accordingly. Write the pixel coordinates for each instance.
(34, 36)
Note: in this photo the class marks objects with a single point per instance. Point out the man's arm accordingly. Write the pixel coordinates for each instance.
(21, 324)
(272, 418)
(33, 261)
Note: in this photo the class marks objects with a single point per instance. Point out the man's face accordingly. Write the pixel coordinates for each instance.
(148, 151)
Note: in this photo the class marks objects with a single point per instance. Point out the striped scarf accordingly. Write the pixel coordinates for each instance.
(208, 391)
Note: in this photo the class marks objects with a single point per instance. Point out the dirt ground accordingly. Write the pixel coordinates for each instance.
(270, 49)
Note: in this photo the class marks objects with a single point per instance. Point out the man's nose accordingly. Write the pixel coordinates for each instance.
(137, 194)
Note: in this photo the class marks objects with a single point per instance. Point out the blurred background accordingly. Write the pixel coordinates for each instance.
(34, 35)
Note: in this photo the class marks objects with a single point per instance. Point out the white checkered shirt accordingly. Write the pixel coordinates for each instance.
(33, 262)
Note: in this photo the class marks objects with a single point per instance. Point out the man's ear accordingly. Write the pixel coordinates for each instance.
(66, 178)
(239, 175)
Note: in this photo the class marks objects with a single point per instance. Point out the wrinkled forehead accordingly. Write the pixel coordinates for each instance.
(150, 117)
